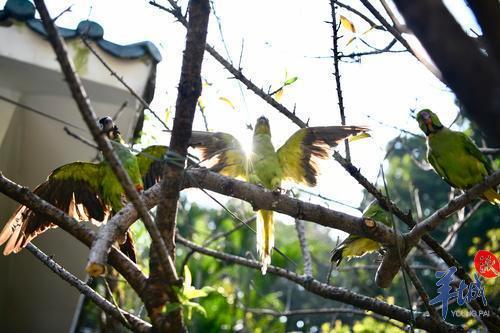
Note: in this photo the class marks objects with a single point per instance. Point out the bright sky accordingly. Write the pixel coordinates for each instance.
(283, 36)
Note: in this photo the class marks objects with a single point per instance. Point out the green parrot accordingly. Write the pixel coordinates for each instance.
(295, 161)
(357, 246)
(87, 192)
(454, 156)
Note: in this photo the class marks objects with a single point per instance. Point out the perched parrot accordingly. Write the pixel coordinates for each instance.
(86, 191)
(454, 156)
(356, 246)
(296, 161)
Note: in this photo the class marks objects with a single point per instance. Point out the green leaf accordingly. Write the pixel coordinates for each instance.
(197, 307)
(290, 81)
(187, 277)
(191, 293)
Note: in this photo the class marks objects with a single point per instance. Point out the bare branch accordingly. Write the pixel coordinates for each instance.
(389, 267)
(127, 319)
(237, 73)
(306, 253)
(80, 96)
(141, 100)
(474, 77)
(421, 291)
(397, 34)
(189, 91)
(258, 197)
(323, 311)
(336, 73)
(328, 291)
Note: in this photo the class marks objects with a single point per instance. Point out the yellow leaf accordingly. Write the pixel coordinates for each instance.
(278, 95)
(350, 40)
(227, 101)
(347, 24)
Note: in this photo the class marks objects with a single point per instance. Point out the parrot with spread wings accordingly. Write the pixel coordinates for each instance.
(454, 156)
(357, 246)
(86, 191)
(295, 161)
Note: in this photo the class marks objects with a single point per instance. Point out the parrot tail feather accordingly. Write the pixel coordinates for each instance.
(492, 196)
(265, 237)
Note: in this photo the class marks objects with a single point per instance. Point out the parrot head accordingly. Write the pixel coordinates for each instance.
(109, 128)
(262, 126)
(428, 121)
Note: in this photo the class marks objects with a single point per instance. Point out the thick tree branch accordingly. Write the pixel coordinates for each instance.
(304, 248)
(82, 100)
(189, 91)
(389, 267)
(331, 292)
(474, 77)
(129, 320)
(258, 197)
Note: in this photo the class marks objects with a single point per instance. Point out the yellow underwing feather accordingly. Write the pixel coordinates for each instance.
(300, 154)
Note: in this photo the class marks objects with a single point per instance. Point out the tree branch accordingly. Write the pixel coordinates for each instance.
(336, 73)
(474, 77)
(389, 267)
(330, 292)
(127, 319)
(323, 311)
(306, 253)
(258, 197)
(189, 90)
(237, 73)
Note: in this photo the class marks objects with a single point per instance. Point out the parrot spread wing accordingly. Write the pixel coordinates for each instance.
(73, 188)
(299, 155)
(150, 161)
(223, 151)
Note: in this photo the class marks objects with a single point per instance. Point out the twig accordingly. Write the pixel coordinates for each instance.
(451, 238)
(397, 34)
(237, 73)
(216, 237)
(38, 112)
(336, 73)
(361, 15)
(306, 253)
(141, 100)
(323, 311)
(129, 320)
(326, 291)
(421, 291)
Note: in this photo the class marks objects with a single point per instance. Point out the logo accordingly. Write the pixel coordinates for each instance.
(487, 264)
(463, 295)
